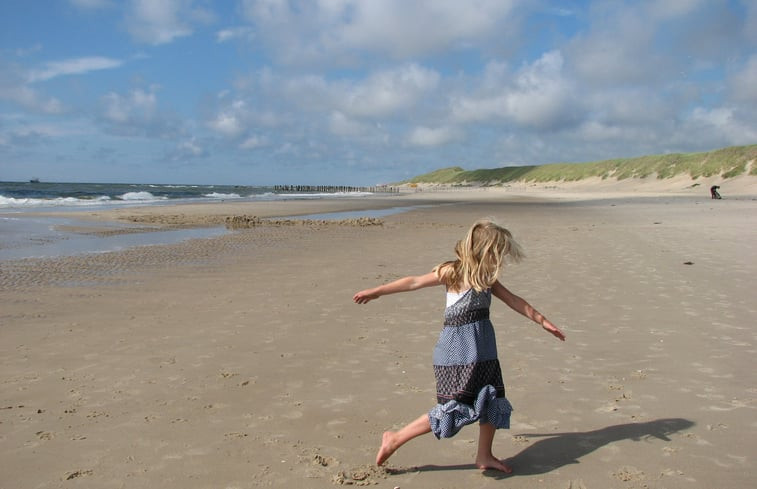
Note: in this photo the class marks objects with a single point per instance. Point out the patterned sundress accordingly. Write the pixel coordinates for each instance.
(469, 384)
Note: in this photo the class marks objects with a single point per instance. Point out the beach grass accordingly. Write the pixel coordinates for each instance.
(726, 162)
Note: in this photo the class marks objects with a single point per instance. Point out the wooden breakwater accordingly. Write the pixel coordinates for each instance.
(322, 189)
(246, 222)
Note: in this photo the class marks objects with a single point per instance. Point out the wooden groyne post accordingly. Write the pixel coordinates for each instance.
(333, 189)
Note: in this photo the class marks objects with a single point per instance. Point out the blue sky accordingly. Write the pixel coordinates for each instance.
(260, 92)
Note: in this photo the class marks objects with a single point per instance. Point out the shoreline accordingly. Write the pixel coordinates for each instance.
(70, 232)
(48, 233)
(213, 212)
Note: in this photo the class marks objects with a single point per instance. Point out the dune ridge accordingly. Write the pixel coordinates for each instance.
(724, 164)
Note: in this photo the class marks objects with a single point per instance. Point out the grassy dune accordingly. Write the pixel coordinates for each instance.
(726, 162)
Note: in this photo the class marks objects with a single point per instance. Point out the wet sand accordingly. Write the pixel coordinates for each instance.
(240, 360)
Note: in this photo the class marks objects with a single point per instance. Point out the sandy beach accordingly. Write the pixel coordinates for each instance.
(240, 361)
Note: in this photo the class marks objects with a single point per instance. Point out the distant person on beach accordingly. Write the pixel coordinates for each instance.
(714, 192)
(469, 385)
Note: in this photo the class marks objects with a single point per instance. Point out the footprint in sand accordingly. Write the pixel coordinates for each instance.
(234, 435)
(363, 475)
(639, 374)
(76, 474)
(628, 473)
(579, 484)
(318, 465)
(44, 435)
(607, 408)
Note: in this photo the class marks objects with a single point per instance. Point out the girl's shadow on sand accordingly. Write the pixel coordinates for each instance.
(555, 450)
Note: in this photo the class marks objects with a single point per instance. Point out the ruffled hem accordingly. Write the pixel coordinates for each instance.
(448, 418)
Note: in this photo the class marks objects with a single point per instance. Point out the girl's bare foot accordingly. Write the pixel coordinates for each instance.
(388, 447)
(490, 462)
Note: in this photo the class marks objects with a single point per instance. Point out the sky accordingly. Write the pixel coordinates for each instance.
(364, 92)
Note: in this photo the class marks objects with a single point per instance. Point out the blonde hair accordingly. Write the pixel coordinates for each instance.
(480, 256)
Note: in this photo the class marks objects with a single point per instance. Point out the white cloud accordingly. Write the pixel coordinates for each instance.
(31, 99)
(671, 9)
(539, 95)
(233, 33)
(137, 114)
(227, 124)
(338, 31)
(542, 96)
(14, 88)
(628, 106)
(190, 148)
(723, 126)
(306, 92)
(158, 22)
(138, 105)
(652, 43)
(384, 93)
(47, 129)
(230, 120)
(342, 125)
(743, 84)
(407, 29)
(253, 142)
(73, 66)
(185, 150)
(750, 22)
(29, 50)
(430, 137)
(621, 53)
(598, 131)
(388, 92)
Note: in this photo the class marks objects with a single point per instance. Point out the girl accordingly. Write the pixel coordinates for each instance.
(469, 384)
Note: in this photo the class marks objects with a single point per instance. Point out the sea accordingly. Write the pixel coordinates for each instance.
(18, 195)
(26, 234)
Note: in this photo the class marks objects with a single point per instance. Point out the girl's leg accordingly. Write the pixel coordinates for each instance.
(484, 458)
(392, 440)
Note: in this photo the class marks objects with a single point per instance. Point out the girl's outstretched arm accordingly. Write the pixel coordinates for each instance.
(520, 305)
(404, 284)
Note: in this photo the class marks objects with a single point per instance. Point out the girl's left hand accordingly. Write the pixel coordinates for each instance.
(551, 328)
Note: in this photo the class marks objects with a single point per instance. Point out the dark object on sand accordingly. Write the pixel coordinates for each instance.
(714, 192)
